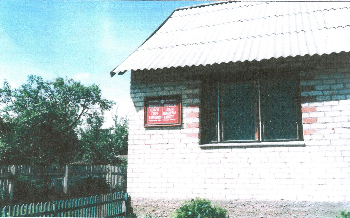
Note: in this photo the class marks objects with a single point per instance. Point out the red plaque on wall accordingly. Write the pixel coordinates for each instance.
(163, 111)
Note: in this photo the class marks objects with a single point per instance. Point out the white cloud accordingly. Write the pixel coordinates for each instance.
(123, 109)
(82, 77)
(11, 77)
(18, 74)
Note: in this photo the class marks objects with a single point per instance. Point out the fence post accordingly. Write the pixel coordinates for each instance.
(126, 204)
(12, 181)
(65, 180)
(109, 177)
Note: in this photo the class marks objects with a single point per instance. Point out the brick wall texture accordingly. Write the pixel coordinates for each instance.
(169, 162)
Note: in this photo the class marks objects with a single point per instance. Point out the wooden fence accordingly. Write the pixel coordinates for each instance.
(59, 178)
(111, 205)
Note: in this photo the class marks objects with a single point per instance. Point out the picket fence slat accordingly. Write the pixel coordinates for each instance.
(113, 204)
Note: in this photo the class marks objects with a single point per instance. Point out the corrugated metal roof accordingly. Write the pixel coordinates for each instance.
(243, 31)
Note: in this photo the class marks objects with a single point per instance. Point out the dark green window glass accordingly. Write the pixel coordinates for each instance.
(263, 109)
(238, 112)
(210, 112)
(279, 110)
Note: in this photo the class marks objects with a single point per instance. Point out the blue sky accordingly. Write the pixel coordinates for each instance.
(83, 40)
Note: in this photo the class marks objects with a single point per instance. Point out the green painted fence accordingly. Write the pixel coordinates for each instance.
(109, 205)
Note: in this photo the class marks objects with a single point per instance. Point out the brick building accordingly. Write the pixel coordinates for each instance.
(260, 101)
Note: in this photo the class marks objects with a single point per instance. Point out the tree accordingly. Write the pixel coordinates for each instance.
(40, 120)
(102, 145)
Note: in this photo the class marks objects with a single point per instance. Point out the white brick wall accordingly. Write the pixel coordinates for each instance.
(169, 163)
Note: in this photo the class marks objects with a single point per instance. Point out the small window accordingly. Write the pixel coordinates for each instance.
(259, 109)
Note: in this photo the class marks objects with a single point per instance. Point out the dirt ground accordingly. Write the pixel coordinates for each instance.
(246, 208)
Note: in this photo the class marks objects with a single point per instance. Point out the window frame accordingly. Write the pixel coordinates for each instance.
(255, 79)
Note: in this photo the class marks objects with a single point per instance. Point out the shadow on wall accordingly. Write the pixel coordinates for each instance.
(323, 79)
(312, 69)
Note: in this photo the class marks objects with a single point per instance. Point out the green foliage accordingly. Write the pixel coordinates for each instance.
(39, 121)
(199, 208)
(2, 197)
(89, 186)
(119, 187)
(344, 214)
(28, 190)
(102, 145)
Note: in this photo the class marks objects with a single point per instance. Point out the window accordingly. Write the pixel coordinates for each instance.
(259, 108)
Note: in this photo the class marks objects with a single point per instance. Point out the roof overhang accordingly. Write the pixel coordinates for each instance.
(233, 32)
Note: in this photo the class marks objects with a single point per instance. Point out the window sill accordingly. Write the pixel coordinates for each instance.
(254, 145)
